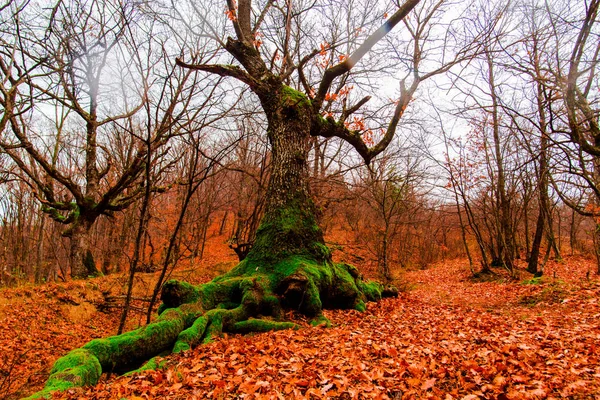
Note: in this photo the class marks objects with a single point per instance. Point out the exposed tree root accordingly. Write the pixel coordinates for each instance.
(250, 298)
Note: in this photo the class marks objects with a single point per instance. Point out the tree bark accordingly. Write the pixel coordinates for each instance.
(289, 226)
(597, 246)
(82, 260)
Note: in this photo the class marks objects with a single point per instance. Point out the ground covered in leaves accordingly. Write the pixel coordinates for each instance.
(445, 337)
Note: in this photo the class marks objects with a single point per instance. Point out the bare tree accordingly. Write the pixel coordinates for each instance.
(102, 81)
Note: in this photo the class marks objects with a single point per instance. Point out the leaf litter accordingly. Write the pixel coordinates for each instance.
(447, 338)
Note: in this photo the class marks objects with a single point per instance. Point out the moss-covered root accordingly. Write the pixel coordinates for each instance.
(152, 364)
(375, 291)
(78, 368)
(175, 293)
(82, 367)
(191, 336)
(132, 348)
(253, 297)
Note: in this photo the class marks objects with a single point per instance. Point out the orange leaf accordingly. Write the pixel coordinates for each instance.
(428, 384)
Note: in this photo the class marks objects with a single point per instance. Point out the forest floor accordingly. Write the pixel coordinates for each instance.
(444, 337)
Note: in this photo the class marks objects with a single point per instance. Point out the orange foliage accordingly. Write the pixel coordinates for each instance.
(231, 15)
(331, 97)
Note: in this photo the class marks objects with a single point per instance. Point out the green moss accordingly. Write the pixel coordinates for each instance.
(312, 304)
(191, 336)
(371, 290)
(272, 306)
(224, 291)
(329, 124)
(344, 291)
(161, 308)
(54, 213)
(228, 305)
(532, 281)
(219, 320)
(293, 97)
(360, 306)
(176, 293)
(78, 368)
(289, 231)
(351, 269)
(262, 325)
(139, 345)
(75, 358)
(321, 320)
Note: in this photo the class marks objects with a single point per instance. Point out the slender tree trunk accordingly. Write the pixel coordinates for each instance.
(505, 240)
(532, 266)
(527, 239)
(385, 268)
(572, 233)
(553, 242)
(223, 222)
(597, 246)
(40, 267)
(544, 221)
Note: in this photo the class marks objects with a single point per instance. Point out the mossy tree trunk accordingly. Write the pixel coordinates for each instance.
(289, 225)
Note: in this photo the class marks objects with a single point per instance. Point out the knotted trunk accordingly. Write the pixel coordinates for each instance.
(289, 226)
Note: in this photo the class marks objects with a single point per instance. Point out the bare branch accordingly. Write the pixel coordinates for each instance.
(221, 70)
(345, 66)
